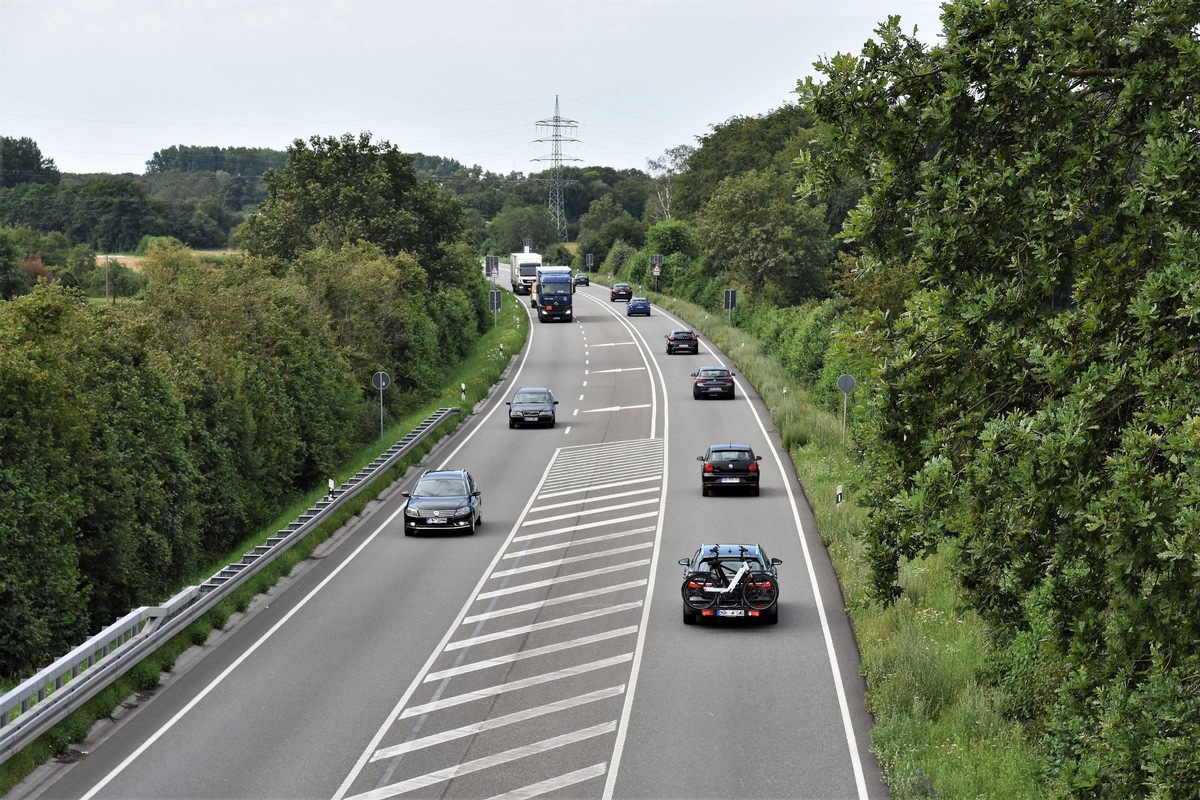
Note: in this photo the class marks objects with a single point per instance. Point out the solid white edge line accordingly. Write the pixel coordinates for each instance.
(237, 662)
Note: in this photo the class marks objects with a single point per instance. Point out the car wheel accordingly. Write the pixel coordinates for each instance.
(689, 618)
(511, 424)
(407, 532)
(704, 491)
(471, 528)
(773, 617)
(754, 491)
(551, 423)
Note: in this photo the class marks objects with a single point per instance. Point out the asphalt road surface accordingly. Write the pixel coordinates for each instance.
(544, 656)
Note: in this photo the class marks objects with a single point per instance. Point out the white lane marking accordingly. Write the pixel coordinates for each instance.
(544, 625)
(228, 670)
(830, 651)
(497, 722)
(577, 576)
(584, 526)
(553, 784)
(596, 488)
(553, 601)
(580, 397)
(614, 344)
(621, 369)
(587, 512)
(558, 562)
(608, 537)
(614, 408)
(515, 686)
(598, 499)
(450, 773)
(498, 661)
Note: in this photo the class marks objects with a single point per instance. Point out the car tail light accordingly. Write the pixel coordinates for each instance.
(708, 467)
(753, 466)
(708, 612)
(760, 584)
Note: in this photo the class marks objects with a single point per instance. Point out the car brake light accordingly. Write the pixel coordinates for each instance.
(708, 612)
(708, 467)
(753, 467)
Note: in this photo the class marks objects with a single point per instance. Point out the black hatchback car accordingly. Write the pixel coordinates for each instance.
(443, 500)
(762, 604)
(729, 466)
(682, 340)
(620, 291)
(582, 279)
(532, 406)
(712, 382)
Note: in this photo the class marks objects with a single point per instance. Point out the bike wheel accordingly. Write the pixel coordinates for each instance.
(694, 595)
(760, 591)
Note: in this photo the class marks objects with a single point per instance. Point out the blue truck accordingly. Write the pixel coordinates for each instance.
(552, 294)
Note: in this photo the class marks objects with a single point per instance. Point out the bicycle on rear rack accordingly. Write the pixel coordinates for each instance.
(748, 587)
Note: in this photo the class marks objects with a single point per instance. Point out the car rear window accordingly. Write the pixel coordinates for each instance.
(714, 373)
(730, 455)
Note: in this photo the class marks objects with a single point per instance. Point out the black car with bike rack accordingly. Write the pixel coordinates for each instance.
(736, 581)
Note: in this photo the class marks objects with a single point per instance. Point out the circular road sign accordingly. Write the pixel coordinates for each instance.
(381, 380)
(846, 382)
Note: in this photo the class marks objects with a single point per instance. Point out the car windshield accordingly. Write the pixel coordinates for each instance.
(554, 289)
(440, 487)
(531, 397)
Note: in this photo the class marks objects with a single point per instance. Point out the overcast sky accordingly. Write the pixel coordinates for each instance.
(101, 85)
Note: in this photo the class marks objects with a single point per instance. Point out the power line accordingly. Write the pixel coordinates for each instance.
(556, 125)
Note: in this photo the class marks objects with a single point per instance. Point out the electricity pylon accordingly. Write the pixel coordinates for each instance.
(555, 127)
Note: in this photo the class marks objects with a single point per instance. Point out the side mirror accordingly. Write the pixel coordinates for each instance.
(685, 562)
(699, 458)
(775, 562)
(555, 402)
(758, 458)
(406, 494)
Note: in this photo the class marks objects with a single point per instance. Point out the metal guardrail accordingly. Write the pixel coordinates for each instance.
(44, 700)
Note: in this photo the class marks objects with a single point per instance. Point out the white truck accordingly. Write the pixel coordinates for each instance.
(523, 271)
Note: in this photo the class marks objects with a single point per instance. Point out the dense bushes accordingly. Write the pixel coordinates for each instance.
(140, 441)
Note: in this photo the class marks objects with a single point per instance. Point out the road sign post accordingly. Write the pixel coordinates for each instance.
(381, 380)
(846, 383)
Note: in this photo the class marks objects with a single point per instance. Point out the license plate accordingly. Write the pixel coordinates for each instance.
(731, 480)
(531, 419)
(435, 521)
(715, 389)
(730, 612)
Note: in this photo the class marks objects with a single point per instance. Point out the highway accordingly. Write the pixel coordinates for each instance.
(546, 655)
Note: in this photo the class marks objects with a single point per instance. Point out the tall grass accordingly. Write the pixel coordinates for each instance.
(939, 728)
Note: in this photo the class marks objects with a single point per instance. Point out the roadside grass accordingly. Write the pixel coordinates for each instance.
(939, 728)
(480, 372)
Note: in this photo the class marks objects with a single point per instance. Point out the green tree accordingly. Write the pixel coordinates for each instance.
(21, 161)
(13, 280)
(1037, 170)
(737, 146)
(507, 232)
(337, 191)
(777, 247)
(666, 170)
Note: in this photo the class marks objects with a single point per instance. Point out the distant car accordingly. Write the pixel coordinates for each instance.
(582, 279)
(712, 382)
(682, 340)
(729, 466)
(638, 305)
(760, 600)
(621, 291)
(443, 500)
(531, 406)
